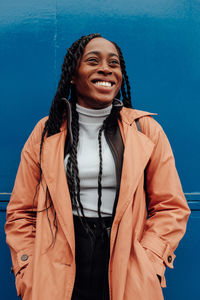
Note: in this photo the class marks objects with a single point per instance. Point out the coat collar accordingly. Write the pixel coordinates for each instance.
(130, 115)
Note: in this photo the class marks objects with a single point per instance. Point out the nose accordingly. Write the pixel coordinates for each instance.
(104, 69)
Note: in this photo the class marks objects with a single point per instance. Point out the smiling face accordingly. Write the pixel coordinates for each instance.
(98, 77)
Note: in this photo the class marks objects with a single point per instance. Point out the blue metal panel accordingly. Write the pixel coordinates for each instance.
(160, 41)
(7, 282)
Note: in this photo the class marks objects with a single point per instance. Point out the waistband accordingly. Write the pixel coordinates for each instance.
(94, 224)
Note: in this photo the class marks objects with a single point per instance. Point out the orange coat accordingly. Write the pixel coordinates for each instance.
(140, 247)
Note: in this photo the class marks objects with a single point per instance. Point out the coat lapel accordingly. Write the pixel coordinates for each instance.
(138, 149)
(55, 176)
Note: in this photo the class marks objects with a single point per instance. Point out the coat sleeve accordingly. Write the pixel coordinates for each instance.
(168, 210)
(21, 210)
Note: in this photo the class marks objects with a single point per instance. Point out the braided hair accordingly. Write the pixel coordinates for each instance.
(58, 114)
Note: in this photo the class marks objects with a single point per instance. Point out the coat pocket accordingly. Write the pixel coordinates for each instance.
(156, 263)
(149, 262)
(141, 280)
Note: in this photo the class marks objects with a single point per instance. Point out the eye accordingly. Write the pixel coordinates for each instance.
(114, 62)
(93, 60)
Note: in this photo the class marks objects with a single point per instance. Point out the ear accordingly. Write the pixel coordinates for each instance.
(72, 80)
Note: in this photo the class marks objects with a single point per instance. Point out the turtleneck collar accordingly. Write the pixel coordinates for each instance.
(88, 115)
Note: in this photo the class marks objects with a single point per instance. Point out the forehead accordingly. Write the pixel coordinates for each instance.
(100, 45)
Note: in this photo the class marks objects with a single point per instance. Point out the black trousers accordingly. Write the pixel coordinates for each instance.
(92, 258)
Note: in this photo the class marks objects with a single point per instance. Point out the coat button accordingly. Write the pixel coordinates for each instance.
(169, 259)
(24, 257)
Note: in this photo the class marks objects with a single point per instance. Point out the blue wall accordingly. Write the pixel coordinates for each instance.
(160, 41)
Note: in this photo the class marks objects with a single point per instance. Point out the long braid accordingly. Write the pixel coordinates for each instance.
(73, 172)
(100, 173)
(72, 167)
(109, 122)
(126, 92)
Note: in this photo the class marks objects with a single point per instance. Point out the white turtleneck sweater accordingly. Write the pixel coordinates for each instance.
(90, 121)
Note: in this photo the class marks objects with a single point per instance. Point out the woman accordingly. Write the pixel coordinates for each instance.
(77, 221)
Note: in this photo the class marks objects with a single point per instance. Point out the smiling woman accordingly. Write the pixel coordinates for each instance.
(90, 174)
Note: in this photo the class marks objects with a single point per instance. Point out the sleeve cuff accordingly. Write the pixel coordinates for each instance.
(159, 247)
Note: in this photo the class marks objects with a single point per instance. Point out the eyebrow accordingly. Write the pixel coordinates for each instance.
(98, 53)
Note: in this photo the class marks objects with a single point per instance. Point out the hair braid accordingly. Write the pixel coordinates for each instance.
(110, 121)
(126, 92)
(72, 166)
(100, 173)
(73, 172)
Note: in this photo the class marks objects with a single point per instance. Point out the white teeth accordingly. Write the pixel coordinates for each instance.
(103, 83)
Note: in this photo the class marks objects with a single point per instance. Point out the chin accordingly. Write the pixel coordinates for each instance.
(104, 99)
(96, 101)
(101, 103)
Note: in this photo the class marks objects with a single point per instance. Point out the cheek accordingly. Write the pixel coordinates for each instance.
(120, 82)
(81, 84)
(120, 76)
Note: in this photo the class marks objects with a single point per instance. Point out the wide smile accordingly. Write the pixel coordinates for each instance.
(103, 83)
